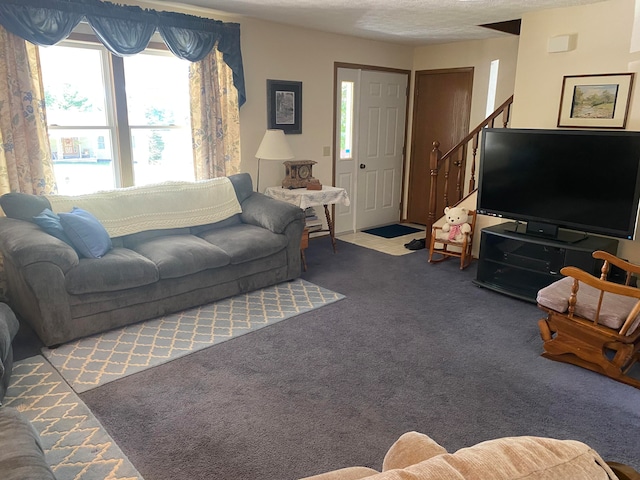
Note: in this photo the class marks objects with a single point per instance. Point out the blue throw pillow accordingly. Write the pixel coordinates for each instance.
(87, 234)
(50, 223)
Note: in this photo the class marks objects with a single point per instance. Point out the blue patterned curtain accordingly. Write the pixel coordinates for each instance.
(126, 30)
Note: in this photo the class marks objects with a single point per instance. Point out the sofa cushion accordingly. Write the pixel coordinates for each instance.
(613, 312)
(23, 206)
(197, 230)
(21, 455)
(244, 243)
(87, 234)
(136, 238)
(180, 255)
(119, 269)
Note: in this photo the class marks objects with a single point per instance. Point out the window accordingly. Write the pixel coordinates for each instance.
(493, 86)
(346, 121)
(105, 135)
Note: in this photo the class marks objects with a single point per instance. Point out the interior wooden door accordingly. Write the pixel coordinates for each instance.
(442, 107)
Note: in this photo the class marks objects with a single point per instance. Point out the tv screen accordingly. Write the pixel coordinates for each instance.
(575, 179)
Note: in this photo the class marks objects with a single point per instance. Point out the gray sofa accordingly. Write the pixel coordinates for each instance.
(64, 296)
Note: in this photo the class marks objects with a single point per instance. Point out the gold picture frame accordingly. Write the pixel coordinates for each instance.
(595, 101)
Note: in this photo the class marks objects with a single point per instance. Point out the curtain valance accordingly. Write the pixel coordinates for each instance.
(126, 30)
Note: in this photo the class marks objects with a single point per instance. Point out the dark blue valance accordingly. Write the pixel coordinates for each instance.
(126, 30)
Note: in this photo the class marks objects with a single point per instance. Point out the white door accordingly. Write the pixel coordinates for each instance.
(372, 171)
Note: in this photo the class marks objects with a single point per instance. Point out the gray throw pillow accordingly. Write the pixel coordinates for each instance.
(50, 223)
(87, 234)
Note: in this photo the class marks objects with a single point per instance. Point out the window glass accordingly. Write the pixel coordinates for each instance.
(77, 116)
(81, 93)
(346, 121)
(160, 122)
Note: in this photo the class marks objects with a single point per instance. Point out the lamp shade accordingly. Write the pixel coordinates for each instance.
(274, 146)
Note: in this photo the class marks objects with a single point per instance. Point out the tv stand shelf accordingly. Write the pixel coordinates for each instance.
(519, 264)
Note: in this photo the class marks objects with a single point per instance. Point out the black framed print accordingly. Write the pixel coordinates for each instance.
(284, 105)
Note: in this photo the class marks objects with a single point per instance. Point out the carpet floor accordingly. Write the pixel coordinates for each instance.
(413, 346)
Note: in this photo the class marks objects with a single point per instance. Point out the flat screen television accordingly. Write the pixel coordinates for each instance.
(579, 180)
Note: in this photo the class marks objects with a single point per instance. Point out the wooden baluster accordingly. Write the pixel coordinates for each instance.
(474, 151)
(506, 114)
(434, 160)
(447, 167)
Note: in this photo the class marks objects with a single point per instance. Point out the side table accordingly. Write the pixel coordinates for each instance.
(304, 198)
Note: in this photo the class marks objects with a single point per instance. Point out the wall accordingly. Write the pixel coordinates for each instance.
(288, 53)
(281, 52)
(603, 33)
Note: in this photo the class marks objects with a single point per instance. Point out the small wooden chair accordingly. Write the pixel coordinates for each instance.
(592, 322)
(443, 248)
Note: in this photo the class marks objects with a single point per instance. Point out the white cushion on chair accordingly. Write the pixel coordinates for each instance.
(613, 312)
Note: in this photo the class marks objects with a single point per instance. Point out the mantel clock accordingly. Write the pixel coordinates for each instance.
(298, 174)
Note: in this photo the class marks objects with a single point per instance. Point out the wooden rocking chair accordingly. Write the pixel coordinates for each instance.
(592, 322)
(441, 248)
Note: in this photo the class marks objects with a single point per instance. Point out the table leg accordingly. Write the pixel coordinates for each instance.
(330, 225)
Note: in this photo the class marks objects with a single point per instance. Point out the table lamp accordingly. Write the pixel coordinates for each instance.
(274, 146)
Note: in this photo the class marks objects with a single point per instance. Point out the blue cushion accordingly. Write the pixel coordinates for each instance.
(50, 223)
(87, 234)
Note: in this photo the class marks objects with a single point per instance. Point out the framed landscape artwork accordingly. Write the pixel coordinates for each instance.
(284, 105)
(595, 101)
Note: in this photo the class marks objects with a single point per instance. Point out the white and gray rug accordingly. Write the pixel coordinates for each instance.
(93, 361)
(76, 445)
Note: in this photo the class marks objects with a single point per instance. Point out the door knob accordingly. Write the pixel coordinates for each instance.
(362, 166)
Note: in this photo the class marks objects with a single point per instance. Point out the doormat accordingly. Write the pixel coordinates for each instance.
(392, 231)
(93, 361)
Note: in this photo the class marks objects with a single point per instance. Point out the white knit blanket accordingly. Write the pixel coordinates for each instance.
(163, 205)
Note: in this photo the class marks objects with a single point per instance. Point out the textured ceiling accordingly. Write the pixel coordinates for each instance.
(411, 22)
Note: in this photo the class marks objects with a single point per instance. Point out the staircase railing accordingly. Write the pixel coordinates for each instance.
(455, 156)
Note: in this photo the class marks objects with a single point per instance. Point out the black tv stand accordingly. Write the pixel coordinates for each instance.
(563, 236)
(520, 264)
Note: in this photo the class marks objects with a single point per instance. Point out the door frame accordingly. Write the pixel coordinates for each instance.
(336, 152)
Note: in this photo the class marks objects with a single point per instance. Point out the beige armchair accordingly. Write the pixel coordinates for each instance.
(415, 456)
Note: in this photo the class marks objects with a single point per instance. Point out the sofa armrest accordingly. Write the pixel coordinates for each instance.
(21, 454)
(267, 212)
(349, 473)
(409, 449)
(25, 244)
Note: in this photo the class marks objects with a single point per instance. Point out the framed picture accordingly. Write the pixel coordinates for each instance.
(284, 105)
(595, 101)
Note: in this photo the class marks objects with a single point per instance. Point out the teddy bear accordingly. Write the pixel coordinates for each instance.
(456, 225)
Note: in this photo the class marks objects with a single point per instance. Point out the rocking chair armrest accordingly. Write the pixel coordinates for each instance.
(603, 285)
(618, 262)
(624, 472)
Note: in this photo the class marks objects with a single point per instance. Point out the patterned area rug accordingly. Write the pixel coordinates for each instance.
(93, 361)
(76, 446)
